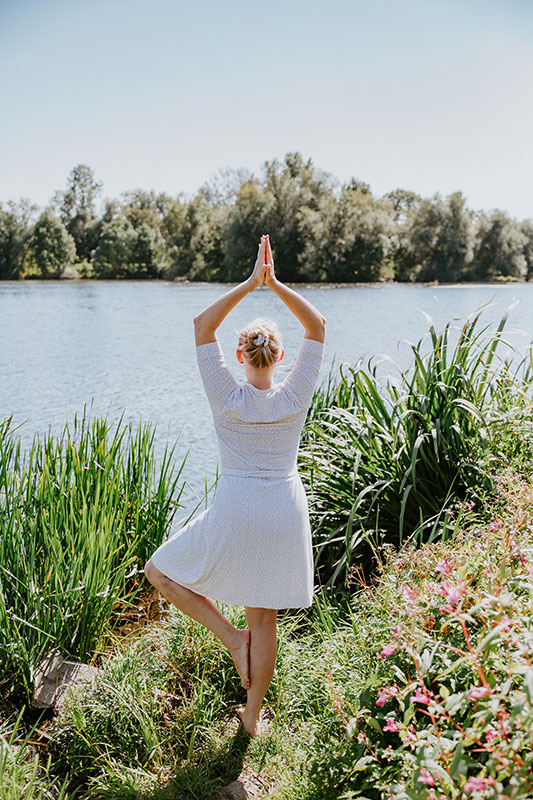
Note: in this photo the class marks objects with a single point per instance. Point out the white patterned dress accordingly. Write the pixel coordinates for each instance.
(253, 545)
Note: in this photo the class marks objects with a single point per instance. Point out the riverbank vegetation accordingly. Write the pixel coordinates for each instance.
(80, 514)
(415, 686)
(387, 461)
(409, 677)
(322, 230)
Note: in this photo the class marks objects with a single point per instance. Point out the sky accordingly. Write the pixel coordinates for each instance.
(426, 95)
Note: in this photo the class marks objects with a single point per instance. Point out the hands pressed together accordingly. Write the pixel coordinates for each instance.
(263, 271)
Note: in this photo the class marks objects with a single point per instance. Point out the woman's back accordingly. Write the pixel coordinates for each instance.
(259, 429)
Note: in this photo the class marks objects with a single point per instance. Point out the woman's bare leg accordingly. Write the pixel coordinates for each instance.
(203, 610)
(263, 650)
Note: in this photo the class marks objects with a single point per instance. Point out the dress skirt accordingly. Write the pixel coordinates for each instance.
(252, 547)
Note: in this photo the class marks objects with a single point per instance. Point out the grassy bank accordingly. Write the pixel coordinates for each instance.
(418, 685)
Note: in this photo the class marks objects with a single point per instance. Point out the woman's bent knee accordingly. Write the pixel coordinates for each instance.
(153, 575)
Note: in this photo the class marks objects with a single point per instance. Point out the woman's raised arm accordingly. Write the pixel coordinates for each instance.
(208, 320)
(310, 317)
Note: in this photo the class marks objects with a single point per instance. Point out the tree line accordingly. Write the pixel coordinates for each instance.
(321, 231)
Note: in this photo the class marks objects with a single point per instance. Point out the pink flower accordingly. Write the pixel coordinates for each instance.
(388, 650)
(409, 736)
(420, 697)
(385, 694)
(506, 623)
(382, 698)
(391, 726)
(490, 734)
(477, 692)
(475, 784)
(443, 566)
(523, 558)
(451, 592)
(408, 594)
(426, 777)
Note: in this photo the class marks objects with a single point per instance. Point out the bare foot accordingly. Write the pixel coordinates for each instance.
(252, 728)
(241, 657)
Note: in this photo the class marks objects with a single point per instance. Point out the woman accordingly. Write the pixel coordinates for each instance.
(252, 547)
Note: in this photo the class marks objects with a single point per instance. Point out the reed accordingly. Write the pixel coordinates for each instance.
(389, 459)
(24, 774)
(80, 513)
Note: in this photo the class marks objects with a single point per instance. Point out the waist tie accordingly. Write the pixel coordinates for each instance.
(260, 473)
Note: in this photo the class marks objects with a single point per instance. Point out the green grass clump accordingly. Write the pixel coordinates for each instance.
(79, 514)
(392, 458)
(24, 775)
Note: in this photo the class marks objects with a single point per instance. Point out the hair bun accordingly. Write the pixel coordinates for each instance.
(260, 339)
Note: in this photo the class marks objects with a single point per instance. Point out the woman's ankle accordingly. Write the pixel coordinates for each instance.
(251, 713)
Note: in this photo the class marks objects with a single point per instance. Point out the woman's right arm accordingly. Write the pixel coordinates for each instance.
(312, 320)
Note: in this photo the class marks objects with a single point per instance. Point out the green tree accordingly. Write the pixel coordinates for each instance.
(76, 205)
(193, 236)
(526, 227)
(401, 202)
(15, 237)
(435, 241)
(142, 207)
(500, 247)
(347, 239)
(291, 188)
(114, 253)
(52, 246)
(245, 223)
(147, 254)
(223, 187)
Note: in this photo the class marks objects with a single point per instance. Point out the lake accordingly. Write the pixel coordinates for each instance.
(129, 347)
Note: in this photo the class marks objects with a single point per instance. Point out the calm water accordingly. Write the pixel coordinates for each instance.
(129, 347)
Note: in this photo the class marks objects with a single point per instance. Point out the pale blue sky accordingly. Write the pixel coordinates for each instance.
(424, 95)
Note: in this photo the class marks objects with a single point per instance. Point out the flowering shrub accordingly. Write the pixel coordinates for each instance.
(449, 711)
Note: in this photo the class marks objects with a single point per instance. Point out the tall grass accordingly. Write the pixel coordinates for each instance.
(80, 514)
(390, 458)
(23, 774)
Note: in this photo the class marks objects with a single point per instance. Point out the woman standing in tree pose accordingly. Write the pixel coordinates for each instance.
(253, 546)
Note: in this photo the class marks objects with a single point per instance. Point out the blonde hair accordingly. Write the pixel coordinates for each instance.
(261, 341)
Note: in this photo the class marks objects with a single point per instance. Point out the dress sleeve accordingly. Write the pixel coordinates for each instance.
(303, 377)
(216, 377)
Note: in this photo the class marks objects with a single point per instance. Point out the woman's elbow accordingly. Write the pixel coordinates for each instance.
(318, 331)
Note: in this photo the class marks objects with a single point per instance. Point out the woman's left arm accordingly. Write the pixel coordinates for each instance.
(208, 320)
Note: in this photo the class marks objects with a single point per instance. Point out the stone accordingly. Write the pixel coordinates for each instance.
(241, 789)
(54, 676)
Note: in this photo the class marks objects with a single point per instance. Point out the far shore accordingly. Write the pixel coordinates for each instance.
(303, 285)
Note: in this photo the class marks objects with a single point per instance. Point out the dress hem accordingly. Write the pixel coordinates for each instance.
(226, 601)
